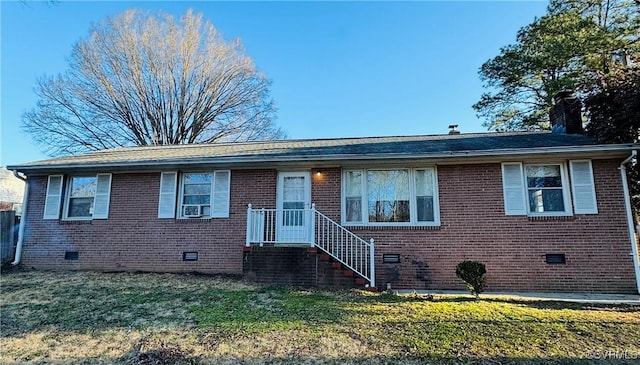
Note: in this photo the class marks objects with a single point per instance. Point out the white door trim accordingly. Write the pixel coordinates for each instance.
(286, 233)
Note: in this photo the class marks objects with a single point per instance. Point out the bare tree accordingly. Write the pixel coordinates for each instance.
(143, 79)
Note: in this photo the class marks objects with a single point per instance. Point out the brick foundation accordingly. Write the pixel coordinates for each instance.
(293, 266)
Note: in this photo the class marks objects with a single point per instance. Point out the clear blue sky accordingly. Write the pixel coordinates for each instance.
(338, 69)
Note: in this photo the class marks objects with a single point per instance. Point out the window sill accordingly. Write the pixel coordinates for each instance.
(75, 221)
(547, 218)
(193, 220)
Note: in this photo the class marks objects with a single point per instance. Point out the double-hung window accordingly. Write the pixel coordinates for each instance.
(196, 194)
(545, 189)
(82, 193)
(85, 197)
(353, 195)
(400, 196)
(199, 194)
(425, 195)
(205, 194)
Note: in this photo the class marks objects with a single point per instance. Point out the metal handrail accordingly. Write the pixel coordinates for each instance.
(309, 226)
(345, 247)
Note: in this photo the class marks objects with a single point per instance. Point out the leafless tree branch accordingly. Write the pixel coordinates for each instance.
(141, 79)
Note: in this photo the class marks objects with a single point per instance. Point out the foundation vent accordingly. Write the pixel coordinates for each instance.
(189, 256)
(391, 258)
(555, 258)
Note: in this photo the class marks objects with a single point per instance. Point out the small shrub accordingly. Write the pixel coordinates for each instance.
(472, 273)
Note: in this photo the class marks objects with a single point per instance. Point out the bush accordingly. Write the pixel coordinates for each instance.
(472, 273)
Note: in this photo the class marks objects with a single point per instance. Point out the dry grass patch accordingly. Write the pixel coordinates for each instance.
(126, 318)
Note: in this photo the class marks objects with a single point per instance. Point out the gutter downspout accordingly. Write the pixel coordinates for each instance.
(632, 231)
(23, 219)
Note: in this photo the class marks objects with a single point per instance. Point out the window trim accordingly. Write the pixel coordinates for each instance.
(413, 212)
(67, 198)
(181, 205)
(566, 197)
(180, 195)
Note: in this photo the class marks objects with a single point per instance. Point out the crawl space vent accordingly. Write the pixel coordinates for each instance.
(391, 258)
(189, 256)
(555, 258)
(71, 255)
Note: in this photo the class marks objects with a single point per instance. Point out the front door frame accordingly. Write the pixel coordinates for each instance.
(286, 233)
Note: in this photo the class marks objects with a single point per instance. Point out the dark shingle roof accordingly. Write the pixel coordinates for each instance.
(424, 146)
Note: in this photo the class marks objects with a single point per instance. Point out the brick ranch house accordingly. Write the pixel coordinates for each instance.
(544, 211)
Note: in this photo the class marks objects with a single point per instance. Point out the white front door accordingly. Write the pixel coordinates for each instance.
(293, 203)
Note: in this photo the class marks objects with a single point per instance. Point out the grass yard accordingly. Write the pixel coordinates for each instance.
(126, 318)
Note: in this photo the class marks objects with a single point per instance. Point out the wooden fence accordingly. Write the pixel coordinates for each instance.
(8, 233)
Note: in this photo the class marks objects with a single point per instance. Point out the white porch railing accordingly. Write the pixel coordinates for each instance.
(310, 227)
(344, 246)
(279, 226)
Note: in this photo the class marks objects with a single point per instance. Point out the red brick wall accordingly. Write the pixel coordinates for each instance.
(134, 238)
(297, 266)
(473, 227)
(281, 266)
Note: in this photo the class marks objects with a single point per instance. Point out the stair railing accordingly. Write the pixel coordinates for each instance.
(344, 246)
(323, 232)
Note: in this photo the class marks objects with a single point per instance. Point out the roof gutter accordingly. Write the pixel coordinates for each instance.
(25, 199)
(632, 232)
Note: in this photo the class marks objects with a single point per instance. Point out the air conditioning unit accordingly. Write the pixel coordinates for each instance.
(192, 211)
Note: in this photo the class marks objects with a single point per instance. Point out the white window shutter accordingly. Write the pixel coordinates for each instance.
(513, 189)
(54, 197)
(167, 201)
(583, 187)
(221, 193)
(103, 195)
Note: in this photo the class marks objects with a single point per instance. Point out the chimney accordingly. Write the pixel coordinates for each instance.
(453, 130)
(566, 114)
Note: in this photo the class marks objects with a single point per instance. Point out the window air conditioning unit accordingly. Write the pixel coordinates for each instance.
(192, 211)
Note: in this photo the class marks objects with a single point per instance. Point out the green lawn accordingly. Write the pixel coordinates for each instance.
(125, 318)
